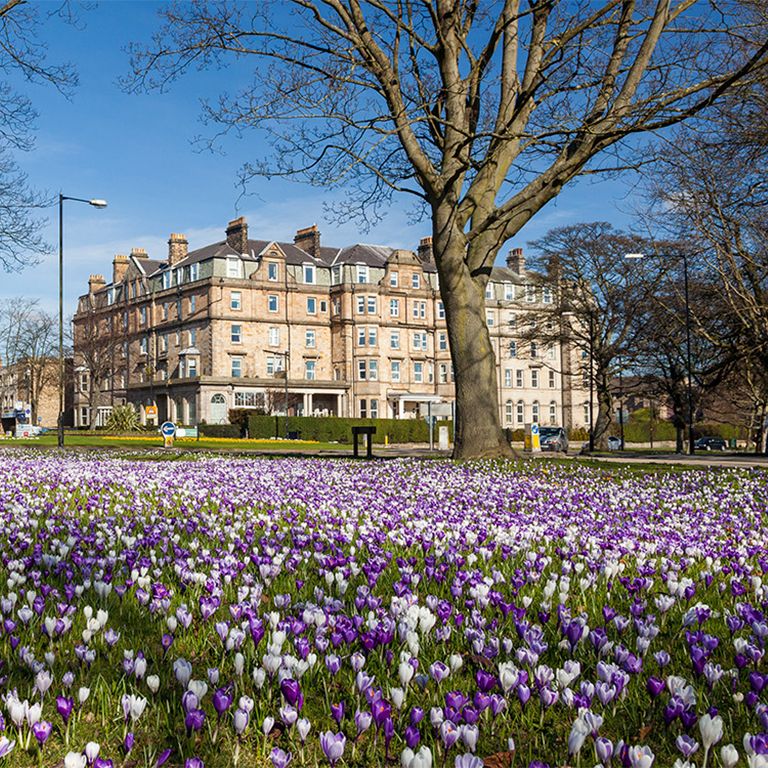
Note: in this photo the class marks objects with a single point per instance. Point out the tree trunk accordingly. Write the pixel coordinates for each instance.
(604, 407)
(478, 432)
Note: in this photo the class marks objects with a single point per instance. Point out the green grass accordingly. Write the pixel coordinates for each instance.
(85, 440)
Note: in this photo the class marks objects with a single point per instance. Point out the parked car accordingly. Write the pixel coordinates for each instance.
(710, 444)
(553, 439)
(614, 443)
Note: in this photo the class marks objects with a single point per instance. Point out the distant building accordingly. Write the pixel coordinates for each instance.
(360, 332)
(29, 393)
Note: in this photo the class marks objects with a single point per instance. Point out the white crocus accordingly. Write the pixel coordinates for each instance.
(153, 683)
(711, 729)
(74, 760)
(729, 756)
(420, 759)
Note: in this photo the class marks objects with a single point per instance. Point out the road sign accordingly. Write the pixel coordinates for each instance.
(150, 411)
(168, 431)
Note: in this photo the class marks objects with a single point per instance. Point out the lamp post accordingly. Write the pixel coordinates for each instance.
(591, 382)
(684, 257)
(96, 203)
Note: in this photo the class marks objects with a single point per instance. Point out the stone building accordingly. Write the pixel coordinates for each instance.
(358, 332)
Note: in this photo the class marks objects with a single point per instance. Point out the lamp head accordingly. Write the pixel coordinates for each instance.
(98, 203)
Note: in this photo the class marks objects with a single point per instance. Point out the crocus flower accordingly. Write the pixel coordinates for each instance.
(162, 758)
(279, 758)
(194, 762)
(333, 745)
(711, 729)
(420, 759)
(6, 746)
(222, 700)
(128, 742)
(467, 761)
(240, 721)
(64, 706)
(74, 760)
(42, 730)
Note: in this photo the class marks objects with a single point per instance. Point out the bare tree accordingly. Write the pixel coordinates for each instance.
(29, 343)
(23, 56)
(602, 299)
(94, 356)
(481, 112)
(710, 189)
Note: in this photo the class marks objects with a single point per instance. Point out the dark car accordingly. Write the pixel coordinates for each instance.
(553, 439)
(710, 444)
(614, 443)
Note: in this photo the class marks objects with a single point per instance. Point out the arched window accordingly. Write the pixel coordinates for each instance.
(553, 412)
(508, 412)
(535, 412)
(520, 412)
(218, 399)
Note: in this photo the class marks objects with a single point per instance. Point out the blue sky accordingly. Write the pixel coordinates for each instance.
(136, 152)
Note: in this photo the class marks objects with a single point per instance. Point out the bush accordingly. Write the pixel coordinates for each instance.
(334, 429)
(220, 430)
(123, 419)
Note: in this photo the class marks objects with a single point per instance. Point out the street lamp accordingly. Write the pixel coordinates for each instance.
(96, 203)
(684, 257)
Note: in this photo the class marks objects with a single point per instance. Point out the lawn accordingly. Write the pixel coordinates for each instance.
(257, 611)
(84, 439)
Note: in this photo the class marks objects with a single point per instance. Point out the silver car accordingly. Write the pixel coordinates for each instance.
(553, 439)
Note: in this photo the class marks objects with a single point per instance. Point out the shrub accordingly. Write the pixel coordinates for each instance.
(123, 419)
(339, 430)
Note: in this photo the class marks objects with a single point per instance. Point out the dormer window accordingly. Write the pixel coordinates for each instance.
(167, 279)
(234, 267)
(272, 271)
(309, 274)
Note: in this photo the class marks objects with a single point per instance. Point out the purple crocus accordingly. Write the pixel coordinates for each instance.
(279, 758)
(64, 706)
(222, 701)
(194, 720)
(42, 730)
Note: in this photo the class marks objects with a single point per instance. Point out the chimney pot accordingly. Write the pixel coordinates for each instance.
(308, 239)
(178, 247)
(516, 261)
(425, 252)
(237, 235)
(119, 267)
(139, 253)
(95, 282)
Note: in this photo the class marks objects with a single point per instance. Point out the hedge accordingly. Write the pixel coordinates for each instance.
(332, 429)
(220, 430)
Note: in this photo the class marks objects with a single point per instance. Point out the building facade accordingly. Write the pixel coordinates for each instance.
(29, 393)
(356, 331)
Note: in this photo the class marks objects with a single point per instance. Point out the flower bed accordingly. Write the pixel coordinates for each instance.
(264, 612)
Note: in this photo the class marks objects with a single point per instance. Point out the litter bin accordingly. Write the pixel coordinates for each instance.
(293, 435)
(732, 442)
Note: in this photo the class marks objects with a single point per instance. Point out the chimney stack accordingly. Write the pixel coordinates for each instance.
(516, 261)
(308, 239)
(237, 235)
(95, 283)
(119, 267)
(178, 247)
(139, 253)
(425, 253)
